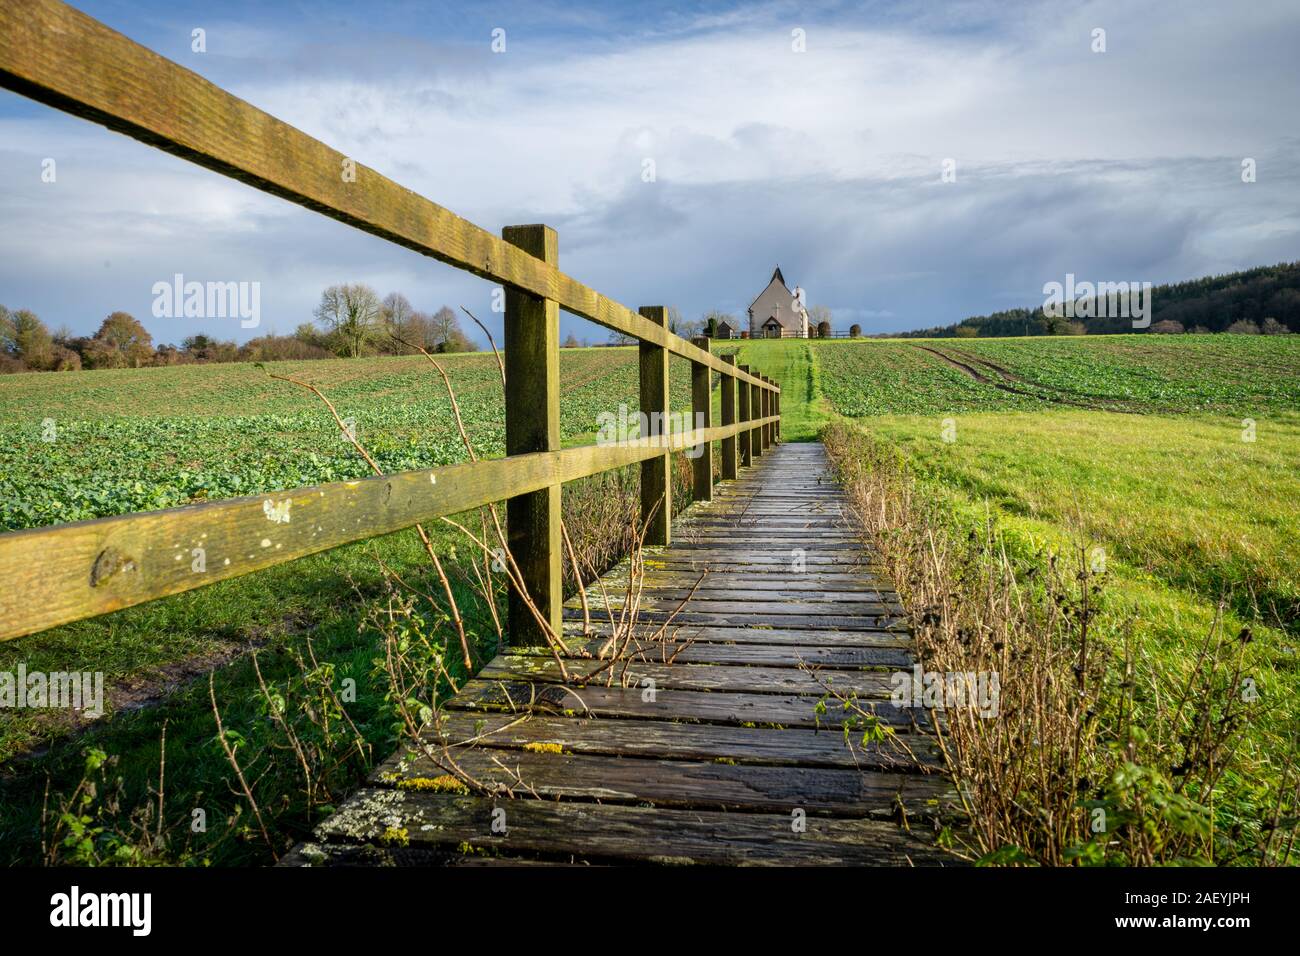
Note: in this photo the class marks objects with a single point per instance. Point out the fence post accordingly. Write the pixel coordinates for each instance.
(777, 399)
(767, 411)
(756, 412)
(532, 361)
(747, 434)
(656, 472)
(702, 417)
(728, 387)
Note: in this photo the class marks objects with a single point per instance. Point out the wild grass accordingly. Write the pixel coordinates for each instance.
(1141, 720)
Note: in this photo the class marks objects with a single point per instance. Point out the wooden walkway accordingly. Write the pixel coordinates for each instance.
(719, 757)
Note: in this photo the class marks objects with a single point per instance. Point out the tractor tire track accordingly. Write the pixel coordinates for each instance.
(1007, 381)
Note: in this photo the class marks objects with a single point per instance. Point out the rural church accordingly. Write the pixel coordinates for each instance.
(778, 312)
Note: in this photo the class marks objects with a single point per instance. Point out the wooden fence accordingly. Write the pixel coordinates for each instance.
(50, 576)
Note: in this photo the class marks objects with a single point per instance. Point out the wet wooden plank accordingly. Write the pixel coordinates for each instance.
(799, 592)
(800, 637)
(865, 622)
(693, 784)
(773, 710)
(620, 833)
(707, 604)
(653, 738)
(776, 655)
(690, 676)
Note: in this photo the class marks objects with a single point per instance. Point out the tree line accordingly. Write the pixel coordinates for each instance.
(350, 321)
(819, 321)
(1261, 300)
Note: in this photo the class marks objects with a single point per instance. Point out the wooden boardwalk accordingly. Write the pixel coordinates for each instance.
(719, 757)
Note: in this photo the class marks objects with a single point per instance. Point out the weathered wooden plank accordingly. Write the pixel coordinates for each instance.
(757, 618)
(754, 523)
(715, 563)
(760, 531)
(706, 604)
(812, 595)
(532, 400)
(803, 638)
(726, 507)
(621, 833)
(708, 555)
(779, 550)
(780, 542)
(698, 784)
(782, 518)
(690, 705)
(653, 738)
(686, 676)
(725, 580)
(787, 655)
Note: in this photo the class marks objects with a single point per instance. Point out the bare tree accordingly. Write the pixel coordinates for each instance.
(447, 333)
(351, 313)
(444, 324)
(400, 320)
(819, 314)
(674, 320)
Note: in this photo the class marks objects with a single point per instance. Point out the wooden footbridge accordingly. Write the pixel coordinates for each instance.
(734, 753)
(722, 744)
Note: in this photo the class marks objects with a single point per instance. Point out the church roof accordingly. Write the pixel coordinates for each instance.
(776, 277)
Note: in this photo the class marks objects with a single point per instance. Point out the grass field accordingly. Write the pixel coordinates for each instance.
(1176, 455)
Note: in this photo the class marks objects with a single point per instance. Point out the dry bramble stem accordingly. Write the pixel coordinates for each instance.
(419, 528)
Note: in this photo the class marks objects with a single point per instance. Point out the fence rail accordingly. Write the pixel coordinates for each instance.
(61, 57)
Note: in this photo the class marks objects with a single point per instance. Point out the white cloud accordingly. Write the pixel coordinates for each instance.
(826, 161)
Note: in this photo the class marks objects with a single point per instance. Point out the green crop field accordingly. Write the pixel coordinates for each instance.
(84, 446)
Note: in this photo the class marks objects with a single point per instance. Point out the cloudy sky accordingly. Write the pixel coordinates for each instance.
(1119, 165)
